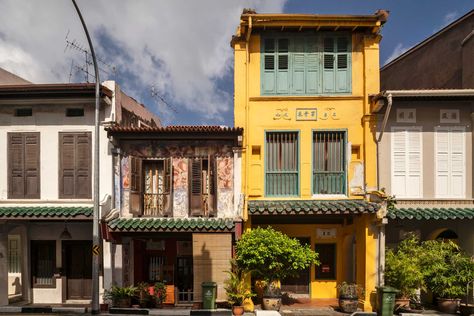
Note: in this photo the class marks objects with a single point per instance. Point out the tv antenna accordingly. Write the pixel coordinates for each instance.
(156, 95)
(104, 67)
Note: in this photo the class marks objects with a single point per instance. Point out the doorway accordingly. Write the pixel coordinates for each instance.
(300, 283)
(77, 263)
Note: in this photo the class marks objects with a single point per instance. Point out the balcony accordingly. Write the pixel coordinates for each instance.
(156, 204)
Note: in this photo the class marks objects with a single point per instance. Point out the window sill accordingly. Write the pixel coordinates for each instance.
(305, 97)
(329, 196)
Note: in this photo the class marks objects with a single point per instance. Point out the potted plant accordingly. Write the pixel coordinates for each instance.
(120, 296)
(403, 270)
(349, 295)
(237, 289)
(272, 256)
(447, 271)
(159, 293)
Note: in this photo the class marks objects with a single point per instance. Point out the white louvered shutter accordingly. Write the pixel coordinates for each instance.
(399, 172)
(450, 162)
(442, 162)
(457, 162)
(407, 162)
(413, 184)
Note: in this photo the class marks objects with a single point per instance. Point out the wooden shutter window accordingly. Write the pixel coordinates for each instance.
(136, 194)
(75, 166)
(212, 173)
(406, 162)
(195, 180)
(168, 184)
(23, 165)
(450, 162)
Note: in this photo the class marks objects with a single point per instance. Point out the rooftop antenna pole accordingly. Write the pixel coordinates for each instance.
(95, 226)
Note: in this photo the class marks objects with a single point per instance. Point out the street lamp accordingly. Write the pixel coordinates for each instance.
(95, 224)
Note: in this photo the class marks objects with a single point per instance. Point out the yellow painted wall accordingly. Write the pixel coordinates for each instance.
(257, 114)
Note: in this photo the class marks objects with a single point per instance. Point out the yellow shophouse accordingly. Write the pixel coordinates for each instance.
(302, 86)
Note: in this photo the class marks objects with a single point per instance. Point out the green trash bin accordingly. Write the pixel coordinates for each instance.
(386, 300)
(209, 295)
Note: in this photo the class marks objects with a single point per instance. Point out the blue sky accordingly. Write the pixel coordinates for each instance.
(179, 47)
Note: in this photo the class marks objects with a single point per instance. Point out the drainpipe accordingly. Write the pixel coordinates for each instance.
(388, 97)
(381, 226)
(246, 137)
(381, 239)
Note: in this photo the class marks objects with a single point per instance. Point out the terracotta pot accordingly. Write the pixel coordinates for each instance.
(348, 305)
(238, 310)
(402, 303)
(104, 307)
(466, 309)
(271, 303)
(448, 305)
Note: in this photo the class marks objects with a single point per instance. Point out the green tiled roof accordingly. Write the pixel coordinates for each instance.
(421, 213)
(170, 224)
(310, 207)
(45, 211)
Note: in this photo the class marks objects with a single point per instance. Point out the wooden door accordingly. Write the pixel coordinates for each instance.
(299, 284)
(78, 266)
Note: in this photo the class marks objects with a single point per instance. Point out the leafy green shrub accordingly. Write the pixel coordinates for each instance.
(403, 267)
(117, 293)
(446, 268)
(272, 255)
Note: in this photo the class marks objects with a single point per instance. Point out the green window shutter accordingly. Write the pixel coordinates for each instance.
(343, 65)
(298, 67)
(268, 66)
(283, 66)
(313, 82)
(328, 65)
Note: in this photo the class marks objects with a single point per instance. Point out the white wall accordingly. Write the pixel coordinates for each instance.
(49, 120)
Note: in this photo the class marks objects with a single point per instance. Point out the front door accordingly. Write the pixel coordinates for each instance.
(184, 278)
(78, 266)
(300, 283)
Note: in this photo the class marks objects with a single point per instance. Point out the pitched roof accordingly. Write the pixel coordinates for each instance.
(170, 224)
(311, 207)
(429, 39)
(436, 213)
(45, 212)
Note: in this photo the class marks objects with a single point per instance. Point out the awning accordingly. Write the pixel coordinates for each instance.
(169, 224)
(311, 207)
(436, 213)
(46, 212)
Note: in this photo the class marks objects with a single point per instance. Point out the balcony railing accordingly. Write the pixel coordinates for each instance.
(155, 204)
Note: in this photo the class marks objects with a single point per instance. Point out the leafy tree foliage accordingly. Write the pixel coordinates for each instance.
(272, 255)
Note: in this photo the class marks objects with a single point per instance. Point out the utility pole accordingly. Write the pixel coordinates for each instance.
(95, 225)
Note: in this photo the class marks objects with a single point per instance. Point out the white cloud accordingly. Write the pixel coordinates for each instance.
(181, 47)
(450, 17)
(397, 51)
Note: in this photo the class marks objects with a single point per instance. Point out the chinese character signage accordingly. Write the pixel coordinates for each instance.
(307, 114)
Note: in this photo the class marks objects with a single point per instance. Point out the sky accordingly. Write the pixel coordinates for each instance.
(178, 50)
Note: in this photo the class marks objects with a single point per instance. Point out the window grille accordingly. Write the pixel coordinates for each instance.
(329, 164)
(282, 164)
